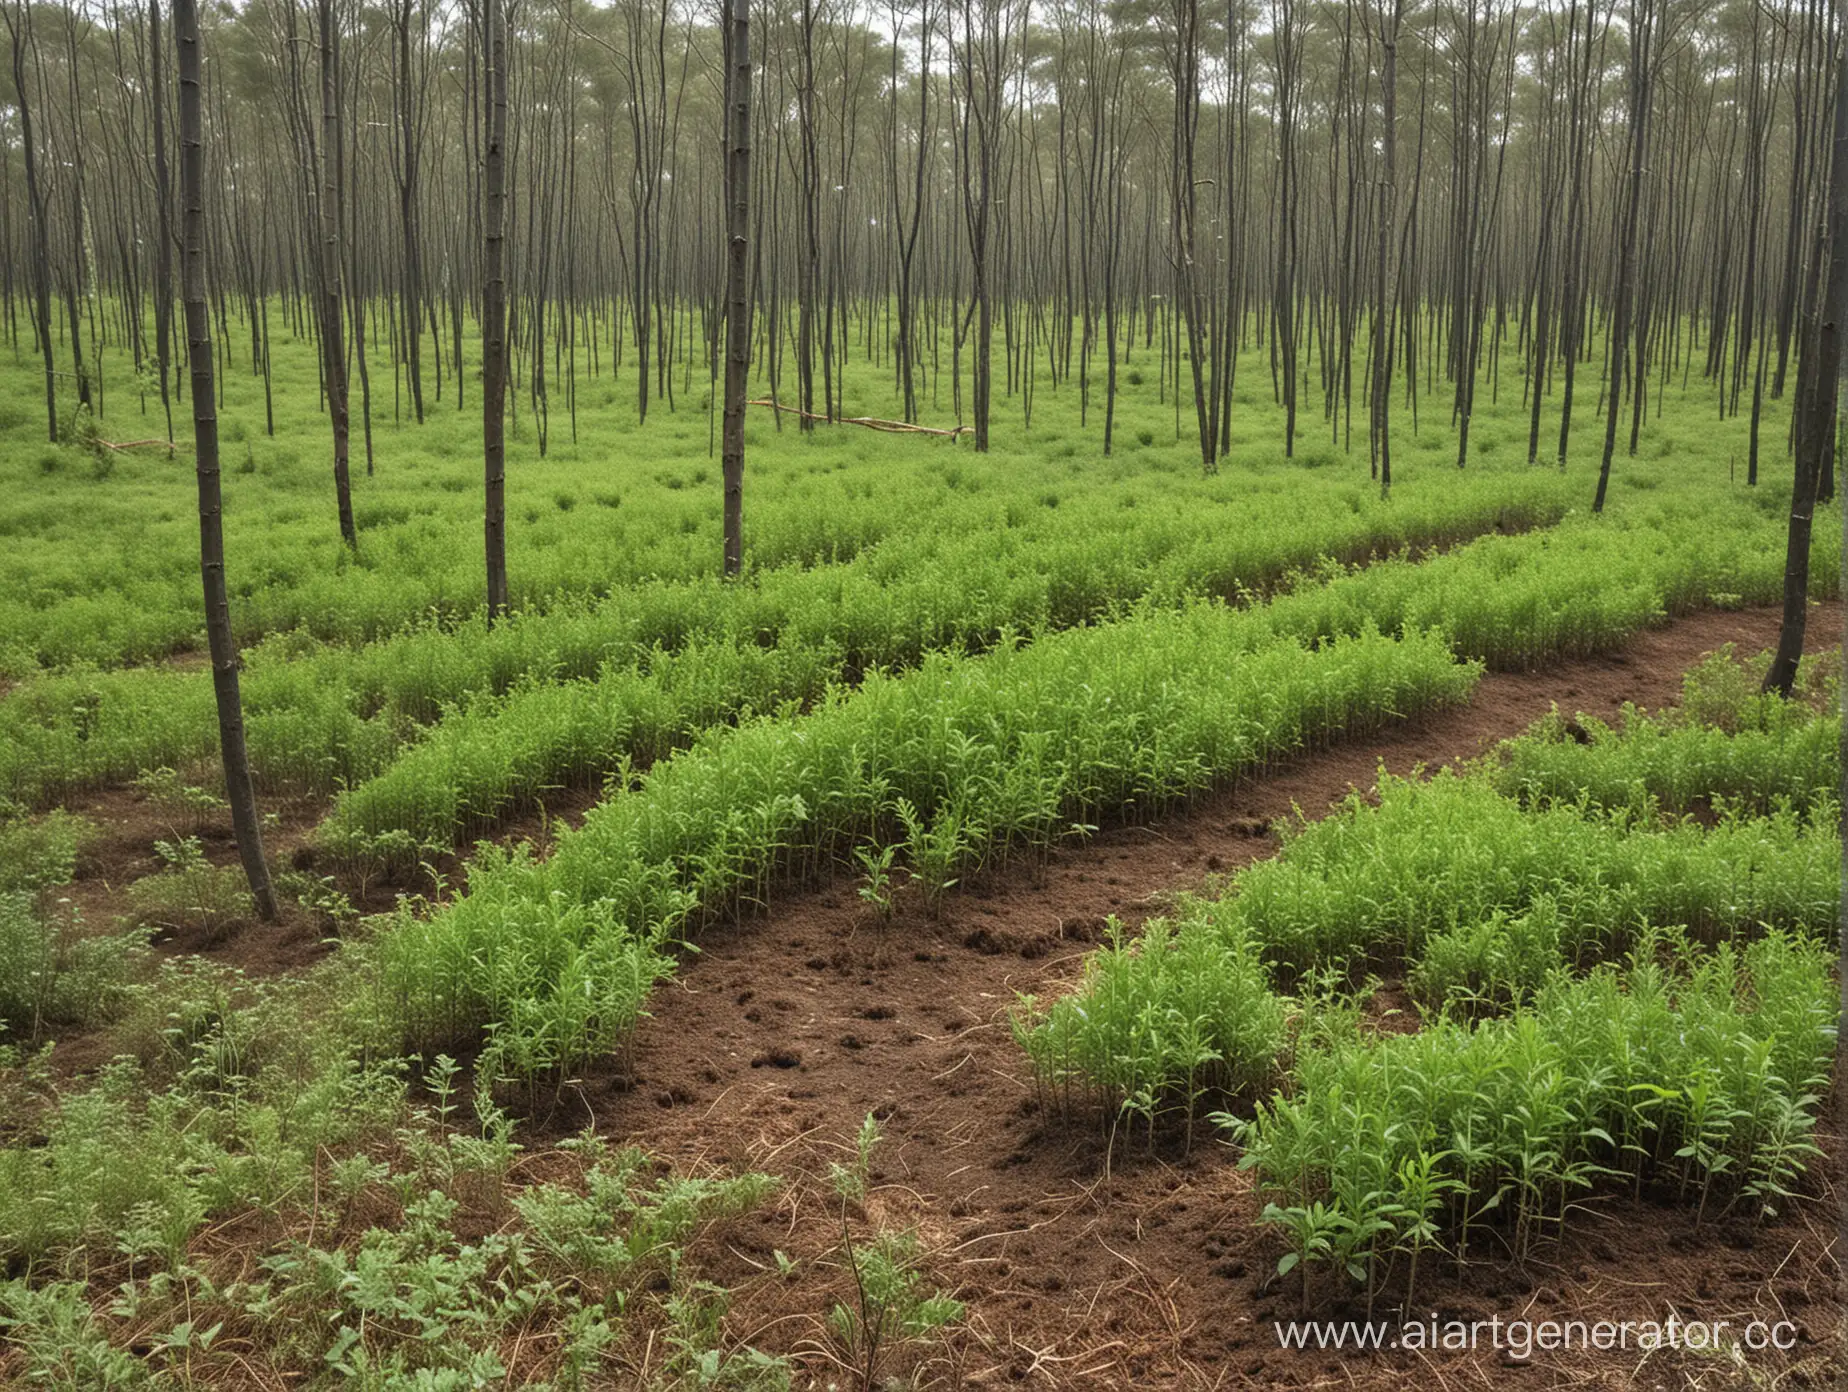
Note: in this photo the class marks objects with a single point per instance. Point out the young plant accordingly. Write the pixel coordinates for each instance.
(892, 1302)
(876, 885)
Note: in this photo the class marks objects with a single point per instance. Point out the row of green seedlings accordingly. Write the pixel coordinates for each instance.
(1727, 743)
(123, 603)
(1483, 901)
(1497, 911)
(1001, 757)
(1511, 602)
(323, 719)
(590, 529)
(1695, 1078)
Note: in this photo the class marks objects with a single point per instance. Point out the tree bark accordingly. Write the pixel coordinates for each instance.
(219, 639)
(737, 281)
(494, 310)
(1385, 290)
(333, 347)
(1617, 351)
(21, 33)
(1819, 374)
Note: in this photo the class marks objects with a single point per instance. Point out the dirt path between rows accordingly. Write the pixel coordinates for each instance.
(776, 1041)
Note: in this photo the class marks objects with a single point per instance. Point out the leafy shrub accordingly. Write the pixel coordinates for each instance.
(53, 973)
(191, 893)
(39, 852)
(1699, 1079)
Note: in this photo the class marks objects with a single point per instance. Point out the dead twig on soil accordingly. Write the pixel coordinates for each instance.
(870, 422)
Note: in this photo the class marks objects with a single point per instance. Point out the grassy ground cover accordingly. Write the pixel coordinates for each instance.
(1615, 994)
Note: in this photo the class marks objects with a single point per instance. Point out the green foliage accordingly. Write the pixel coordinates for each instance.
(38, 853)
(123, 1163)
(414, 1299)
(618, 1225)
(876, 888)
(320, 896)
(54, 972)
(60, 1342)
(1728, 744)
(1509, 601)
(892, 1302)
(1484, 900)
(1434, 860)
(187, 808)
(191, 892)
(121, 1169)
(1159, 1021)
(1700, 1078)
(995, 756)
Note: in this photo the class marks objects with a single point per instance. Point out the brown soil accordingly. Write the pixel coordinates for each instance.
(120, 850)
(775, 1042)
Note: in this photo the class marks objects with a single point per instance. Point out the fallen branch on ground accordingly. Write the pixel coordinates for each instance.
(870, 422)
(169, 445)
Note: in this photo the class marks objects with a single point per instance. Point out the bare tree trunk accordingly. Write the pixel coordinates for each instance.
(494, 310)
(1386, 291)
(1818, 374)
(1185, 72)
(333, 347)
(407, 212)
(21, 32)
(737, 281)
(205, 453)
(163, 197)
(1642, 55)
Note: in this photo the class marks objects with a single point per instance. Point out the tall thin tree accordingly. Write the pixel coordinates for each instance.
(1642, 36)
(737, 275)
(494, 306)
(205, 455)
(1818, 382)
(1386, 287)
(333, 343)
(20, 31)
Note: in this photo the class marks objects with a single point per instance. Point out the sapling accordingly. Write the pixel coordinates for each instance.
(891, 1302)
(1313, 1230)
(876, 862)
(1423, 1187)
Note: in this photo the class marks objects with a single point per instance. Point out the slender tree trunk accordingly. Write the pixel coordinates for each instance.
(1617, 351)
(737, 281)
(333, 347)
(494, 310)
(407, 212)
(20, 30)
(1386, 293)
(163, 222)
(1819, 375)
(205, 446)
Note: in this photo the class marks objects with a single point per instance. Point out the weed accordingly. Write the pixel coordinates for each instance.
(191, 893)
(892, 1302)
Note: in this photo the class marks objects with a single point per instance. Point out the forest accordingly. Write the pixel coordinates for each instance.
(870, 694)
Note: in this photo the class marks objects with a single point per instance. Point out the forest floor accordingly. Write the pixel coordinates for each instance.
(1147, 1268)
(1084, 1265)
